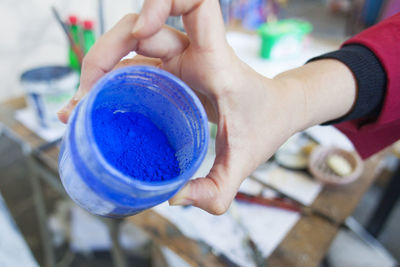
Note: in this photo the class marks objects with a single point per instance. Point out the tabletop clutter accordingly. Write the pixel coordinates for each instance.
(49, 88)
(269, 202)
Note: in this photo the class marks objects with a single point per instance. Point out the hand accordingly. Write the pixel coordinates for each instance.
(254, 114)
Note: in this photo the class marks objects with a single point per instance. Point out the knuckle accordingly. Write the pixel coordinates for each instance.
(212, 197)
(90, 63)
(130, 17)
(218, 207)
(87, 61)
(216, 197)
(218, 204)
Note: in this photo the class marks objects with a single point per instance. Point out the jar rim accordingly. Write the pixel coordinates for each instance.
(129, 180)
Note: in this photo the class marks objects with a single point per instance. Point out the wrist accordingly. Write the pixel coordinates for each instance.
(324, 90)
(292, 93)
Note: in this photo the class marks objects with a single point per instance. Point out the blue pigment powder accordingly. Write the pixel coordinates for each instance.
(134, 145)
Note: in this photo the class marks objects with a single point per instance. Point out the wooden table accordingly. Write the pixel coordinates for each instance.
(305, 245)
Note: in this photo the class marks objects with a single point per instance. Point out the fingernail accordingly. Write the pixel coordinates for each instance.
(62, 111)
(74, 100)
(66, 108)
(180, 202)
(138, 25)
(77, 96)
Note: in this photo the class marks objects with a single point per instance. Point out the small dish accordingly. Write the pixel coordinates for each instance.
(319, 168)
(293, 161)
(294, 153)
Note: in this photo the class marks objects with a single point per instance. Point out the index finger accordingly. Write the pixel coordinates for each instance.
(114, 45)
(202, 20)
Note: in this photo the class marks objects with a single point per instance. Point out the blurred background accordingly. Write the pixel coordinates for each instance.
(48, 229)
(32, 36)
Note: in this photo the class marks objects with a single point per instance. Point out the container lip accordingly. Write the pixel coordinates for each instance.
(129, 180)
(46, 73)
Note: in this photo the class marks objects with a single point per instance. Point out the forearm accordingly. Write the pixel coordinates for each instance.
(325, 90)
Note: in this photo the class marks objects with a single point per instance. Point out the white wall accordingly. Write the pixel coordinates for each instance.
(30, 35)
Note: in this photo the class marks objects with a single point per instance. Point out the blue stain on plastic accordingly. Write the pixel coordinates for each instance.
(132, 142)
(39, 108)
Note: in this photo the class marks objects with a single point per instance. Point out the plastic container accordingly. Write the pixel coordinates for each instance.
(319, 168)
(89, 37)
(75, 30)
(48, 89)
(171, 105)
(283, 39)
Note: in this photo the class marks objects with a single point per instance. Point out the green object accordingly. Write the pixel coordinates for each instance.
(89, 37)
(283, 38)
(213, 130)
(75, 30)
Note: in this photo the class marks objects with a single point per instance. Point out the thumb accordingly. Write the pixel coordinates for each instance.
(64, 113)
(213, 193)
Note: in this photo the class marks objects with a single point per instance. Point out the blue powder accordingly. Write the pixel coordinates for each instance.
(134, 145)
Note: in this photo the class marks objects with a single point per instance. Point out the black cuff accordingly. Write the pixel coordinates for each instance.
(370, 77)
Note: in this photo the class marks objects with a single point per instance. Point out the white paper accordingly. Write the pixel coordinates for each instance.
(330, 136)
(266, 226)
(251, 187)
(88, 233)
(13, 249)
(297, 185)
(27, 118)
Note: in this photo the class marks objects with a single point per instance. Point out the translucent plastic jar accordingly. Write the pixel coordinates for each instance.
(170, 104)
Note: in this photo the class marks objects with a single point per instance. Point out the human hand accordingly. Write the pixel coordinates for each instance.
(254, 114)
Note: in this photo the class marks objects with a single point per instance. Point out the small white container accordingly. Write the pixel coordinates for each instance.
(48, 89)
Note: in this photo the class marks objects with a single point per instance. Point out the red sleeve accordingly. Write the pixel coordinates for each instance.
(384, 40)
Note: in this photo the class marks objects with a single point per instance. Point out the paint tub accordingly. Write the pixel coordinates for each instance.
(283, 39)
(48, 89)
(96, 185)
